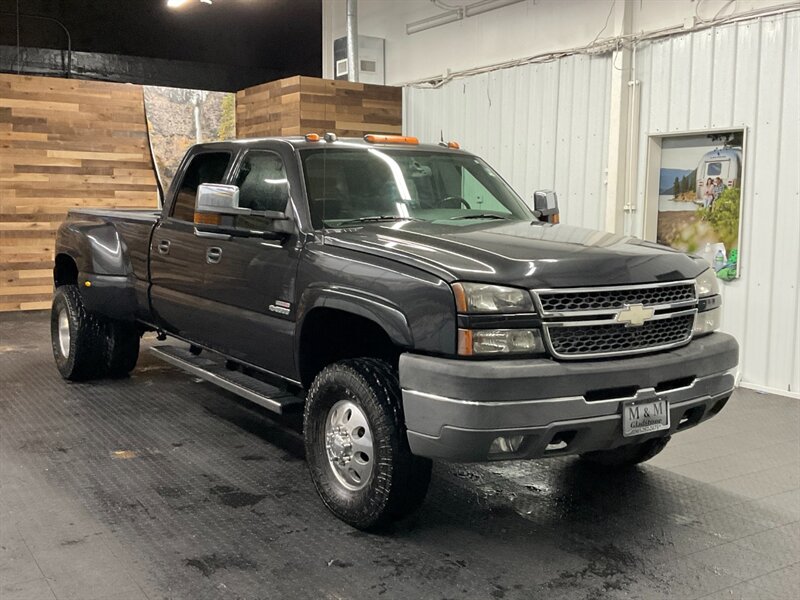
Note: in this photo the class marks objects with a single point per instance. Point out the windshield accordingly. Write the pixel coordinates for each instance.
(347, 185)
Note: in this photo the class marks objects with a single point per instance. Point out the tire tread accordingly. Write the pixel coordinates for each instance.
(402, 488)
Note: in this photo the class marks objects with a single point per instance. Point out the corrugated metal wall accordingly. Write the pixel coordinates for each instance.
(546, 126)
(542, 126)
(743, 75)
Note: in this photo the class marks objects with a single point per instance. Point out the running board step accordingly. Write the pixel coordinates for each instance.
(212, 368)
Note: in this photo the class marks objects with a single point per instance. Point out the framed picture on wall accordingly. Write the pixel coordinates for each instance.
(694, 195)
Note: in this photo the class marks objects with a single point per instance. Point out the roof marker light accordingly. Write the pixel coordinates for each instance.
(374, 138)
(312, 137)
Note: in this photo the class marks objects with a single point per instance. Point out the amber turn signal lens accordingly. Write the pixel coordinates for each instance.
(461, 297)
(374, 138)
(206, 218)
(465, 342)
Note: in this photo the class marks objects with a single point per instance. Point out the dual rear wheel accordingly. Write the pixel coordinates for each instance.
(86, 345)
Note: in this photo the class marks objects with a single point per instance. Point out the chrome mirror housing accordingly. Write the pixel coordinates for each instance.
(545, 205)
(219, 199)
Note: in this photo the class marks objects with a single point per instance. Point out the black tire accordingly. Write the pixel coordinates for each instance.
(122, 348)
(627, 456)
(86, 348)
(399, 480)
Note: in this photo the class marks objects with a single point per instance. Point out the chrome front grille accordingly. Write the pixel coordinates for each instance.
(582, 323)
(616, 338)
(614, 298)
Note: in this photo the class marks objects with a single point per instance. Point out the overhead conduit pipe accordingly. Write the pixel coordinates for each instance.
(51, 19)
(456, 13)
(352, 40)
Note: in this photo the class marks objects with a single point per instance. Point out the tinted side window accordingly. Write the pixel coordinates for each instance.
(209, 167)
(262, 182)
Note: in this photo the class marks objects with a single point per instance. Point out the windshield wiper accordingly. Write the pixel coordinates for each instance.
(376, 219)
(480, 216)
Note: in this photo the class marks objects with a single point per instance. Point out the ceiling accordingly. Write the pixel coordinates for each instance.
(282, 35)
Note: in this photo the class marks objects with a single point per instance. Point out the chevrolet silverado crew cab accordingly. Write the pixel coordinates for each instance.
(408, 301)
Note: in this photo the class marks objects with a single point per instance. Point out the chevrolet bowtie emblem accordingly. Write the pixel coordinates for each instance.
(634, 315)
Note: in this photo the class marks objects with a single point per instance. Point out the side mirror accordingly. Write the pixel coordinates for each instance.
(545, 205)
(216, 207)
(219, 199)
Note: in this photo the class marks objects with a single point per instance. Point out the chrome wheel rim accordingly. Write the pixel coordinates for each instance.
(349, 445)
(63, 332)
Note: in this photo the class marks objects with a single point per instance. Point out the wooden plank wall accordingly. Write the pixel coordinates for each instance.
(63, 143)
(300, 105)
(70, 143)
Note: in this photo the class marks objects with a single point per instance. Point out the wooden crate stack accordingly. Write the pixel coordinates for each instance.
(64, 143)
(300, 105)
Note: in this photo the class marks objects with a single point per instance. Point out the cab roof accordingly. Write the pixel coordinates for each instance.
(301, 142)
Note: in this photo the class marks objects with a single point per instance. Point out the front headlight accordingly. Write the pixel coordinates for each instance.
(475, 342)
(707, 284)
(482, 298)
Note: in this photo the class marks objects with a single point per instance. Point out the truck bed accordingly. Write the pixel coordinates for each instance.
(131, 229)
(132, 214)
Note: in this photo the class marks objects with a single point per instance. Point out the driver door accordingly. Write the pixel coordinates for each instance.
(250, 280)
(177, 255)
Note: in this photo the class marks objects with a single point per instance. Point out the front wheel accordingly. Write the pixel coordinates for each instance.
(356, 445)
(627, 456)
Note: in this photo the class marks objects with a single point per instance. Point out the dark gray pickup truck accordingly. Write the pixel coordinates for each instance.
(408, 301)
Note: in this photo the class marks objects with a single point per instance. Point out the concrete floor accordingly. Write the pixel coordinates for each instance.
(163, 487)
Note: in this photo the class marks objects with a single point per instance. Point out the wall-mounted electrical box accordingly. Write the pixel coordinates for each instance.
(370, 55)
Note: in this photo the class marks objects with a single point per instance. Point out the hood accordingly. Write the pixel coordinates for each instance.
(519, 253)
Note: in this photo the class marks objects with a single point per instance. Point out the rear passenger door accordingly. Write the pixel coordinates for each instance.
(251, 281)
(178, 256)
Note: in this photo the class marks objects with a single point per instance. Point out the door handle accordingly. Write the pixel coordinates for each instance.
(163, 247)
(213, 255)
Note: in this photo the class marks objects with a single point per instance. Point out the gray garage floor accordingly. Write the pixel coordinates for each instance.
(160, 486)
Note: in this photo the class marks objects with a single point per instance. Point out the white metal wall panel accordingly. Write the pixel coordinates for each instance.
(546, 126)
(743, 75)
(542, 126)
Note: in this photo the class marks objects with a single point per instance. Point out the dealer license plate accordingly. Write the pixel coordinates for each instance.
(644, 416)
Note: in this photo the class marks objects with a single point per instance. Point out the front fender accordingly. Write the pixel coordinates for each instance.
(96, 248)
(379, 310)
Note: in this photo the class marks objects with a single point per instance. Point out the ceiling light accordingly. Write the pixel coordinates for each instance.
(487, 5)
(179, 3)
(440, 19)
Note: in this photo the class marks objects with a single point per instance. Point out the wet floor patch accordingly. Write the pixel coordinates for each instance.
(211, 563)
(234, 497)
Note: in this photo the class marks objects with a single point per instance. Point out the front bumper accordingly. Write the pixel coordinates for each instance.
(455, 409)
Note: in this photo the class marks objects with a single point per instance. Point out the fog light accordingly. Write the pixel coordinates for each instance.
(706, 322)
(506, 444)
